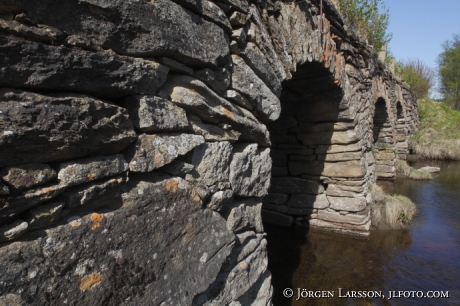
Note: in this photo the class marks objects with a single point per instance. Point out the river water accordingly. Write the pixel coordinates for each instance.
(426, 257)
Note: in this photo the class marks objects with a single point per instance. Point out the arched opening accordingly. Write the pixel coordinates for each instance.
(383, 144)
(318, 175)
(401, 133)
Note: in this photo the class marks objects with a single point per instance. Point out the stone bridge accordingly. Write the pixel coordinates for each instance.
(142, 142)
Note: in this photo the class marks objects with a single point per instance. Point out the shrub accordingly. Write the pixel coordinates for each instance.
(364, 18)
(417, 75)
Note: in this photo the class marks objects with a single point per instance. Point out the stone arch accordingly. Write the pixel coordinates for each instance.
(318, 178)
(383, 141)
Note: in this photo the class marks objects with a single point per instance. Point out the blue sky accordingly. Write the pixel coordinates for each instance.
(420, 27)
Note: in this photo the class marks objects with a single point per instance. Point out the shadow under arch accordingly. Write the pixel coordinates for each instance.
(401, 132)
(311, 111)
(383, 141)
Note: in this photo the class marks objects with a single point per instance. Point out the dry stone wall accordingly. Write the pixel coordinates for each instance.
(142, 142)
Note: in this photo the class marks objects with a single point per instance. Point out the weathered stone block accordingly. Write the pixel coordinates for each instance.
(308, 201)
(12, 206)
(211, 132)
(151, 152)
(295, 185)
(221, 200)
(333, 138)
(43, 215)
(383, 168)
(344, 156)
(177, 168)
(344, 191)
(217, 79)
(26, 176)
(13, 230)
(208, 10)
(198, 243)
(44, 67)
(256, 60)
(244, 80)
(212, 163)
(347, 204)
(153, 114)
(385, 156)
(46, 128)
(93, 168)
(140, 28)
(86, 193)
(245, 214)
(352, 218)
(352, 169)
(275, 198)
(327, 149)
(194, 96)
(250, 170)
(272, 217)
(238, 99)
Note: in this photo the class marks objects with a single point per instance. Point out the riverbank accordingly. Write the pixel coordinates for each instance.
(438, 135)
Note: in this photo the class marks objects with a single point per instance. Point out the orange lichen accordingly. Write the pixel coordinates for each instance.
(96, 218)
(227, 113)
(195, 196)
(158, 160)
(243, 265)
(172, 186)
(91, 176)
(48, 190)
(90, 281)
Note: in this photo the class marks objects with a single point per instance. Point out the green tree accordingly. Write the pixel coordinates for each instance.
(418, 75)
(364, 18)
(449, 72)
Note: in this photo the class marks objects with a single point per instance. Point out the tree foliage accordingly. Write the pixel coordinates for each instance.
(418, 75)
(449, 72)
(364, 18)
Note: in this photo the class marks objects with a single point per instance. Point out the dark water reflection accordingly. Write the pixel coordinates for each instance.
(426, 257)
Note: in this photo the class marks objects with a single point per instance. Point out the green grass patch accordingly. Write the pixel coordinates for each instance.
(438, 135)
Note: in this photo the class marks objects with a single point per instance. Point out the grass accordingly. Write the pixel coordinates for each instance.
(403, 169)
(438, 136)
(390, 212)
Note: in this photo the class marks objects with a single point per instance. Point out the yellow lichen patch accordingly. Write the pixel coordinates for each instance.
(243, 265)
(91, 176)
(227, 113)
(96, 218)
(172, 186)
(158, 160)
(90, 281)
